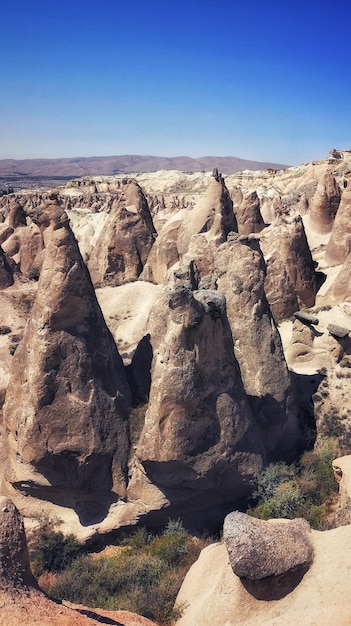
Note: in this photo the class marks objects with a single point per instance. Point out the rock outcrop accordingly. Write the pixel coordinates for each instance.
(248, 215)
(341, 288)
(6, 276)
(65, 414)
(324, 204)
(291, 278)
(261, 549)
(199, 436)
(241, 272)
(123, 246)
(24, 243)
(193, 236)
(339, 245)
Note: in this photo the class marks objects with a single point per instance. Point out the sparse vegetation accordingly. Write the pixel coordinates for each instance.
(299, 490)
(143, 577)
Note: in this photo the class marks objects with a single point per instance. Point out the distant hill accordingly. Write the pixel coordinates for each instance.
(48, 172)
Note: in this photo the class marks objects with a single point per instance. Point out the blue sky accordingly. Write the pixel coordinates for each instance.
(259, 80)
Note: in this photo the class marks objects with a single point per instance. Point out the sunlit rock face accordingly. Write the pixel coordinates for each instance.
(339, 245)
(124, 244)
(200, 436)
(291, 279)
(324, 204)
(66, 405)
(241, 273)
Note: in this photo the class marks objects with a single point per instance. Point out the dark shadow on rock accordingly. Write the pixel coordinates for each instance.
(139, 371)
(274, 587)
(305, 385)
(320, 279)
(91, 507)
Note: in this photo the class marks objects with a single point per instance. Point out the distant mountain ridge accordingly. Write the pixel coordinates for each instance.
(109, 165)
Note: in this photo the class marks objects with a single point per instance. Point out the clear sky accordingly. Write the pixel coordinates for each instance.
(258, 80)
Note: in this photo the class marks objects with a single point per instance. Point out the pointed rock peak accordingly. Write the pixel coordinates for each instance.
(17, 216)
(248, 214)
(324, 204)
(15, 573)
(124, 244)
(67, 401)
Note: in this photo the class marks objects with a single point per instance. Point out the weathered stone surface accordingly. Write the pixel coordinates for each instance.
(193, 235)
(338, 331)
(123, 246)
(324, 204)
(24, 243)
(240, 269)
(291, 277)
(306, 317)
(260, 549)
(66, 405)
(339, 245)
(341, 287)
(199, 435)
(6, 277)
(248, 215)
(14, 559)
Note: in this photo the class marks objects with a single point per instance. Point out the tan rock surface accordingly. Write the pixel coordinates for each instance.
(240, 269)
(197, 421)
(213, 594)
(66, 405)
(123, 246)
(339, 245)
(248, 215)
(259, 549)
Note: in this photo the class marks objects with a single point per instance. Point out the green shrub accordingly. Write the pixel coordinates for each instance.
(51, 551)
(144, 577)
(300, 490)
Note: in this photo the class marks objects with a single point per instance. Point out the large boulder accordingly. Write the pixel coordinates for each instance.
(66, 408)
(260, 549)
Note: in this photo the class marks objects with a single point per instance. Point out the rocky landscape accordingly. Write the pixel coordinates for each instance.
(164, 336)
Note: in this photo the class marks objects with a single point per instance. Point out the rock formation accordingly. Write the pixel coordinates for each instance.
(291, 279)
(248, 215)
(24, 243)
(66, 406)
(339, 245)
(193, 236)
(324, 204)
(123, 246)
(6, 277)
(261, 549)
(199, 431)
(240, 269)
(341, 288)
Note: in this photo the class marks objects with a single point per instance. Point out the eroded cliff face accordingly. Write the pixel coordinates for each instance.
(66, 408)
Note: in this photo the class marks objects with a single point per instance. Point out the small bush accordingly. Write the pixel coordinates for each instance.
(51, 551)
(301, 490)
(144, 577)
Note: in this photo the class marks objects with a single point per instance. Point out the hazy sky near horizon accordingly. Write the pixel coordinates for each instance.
(268, 81)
